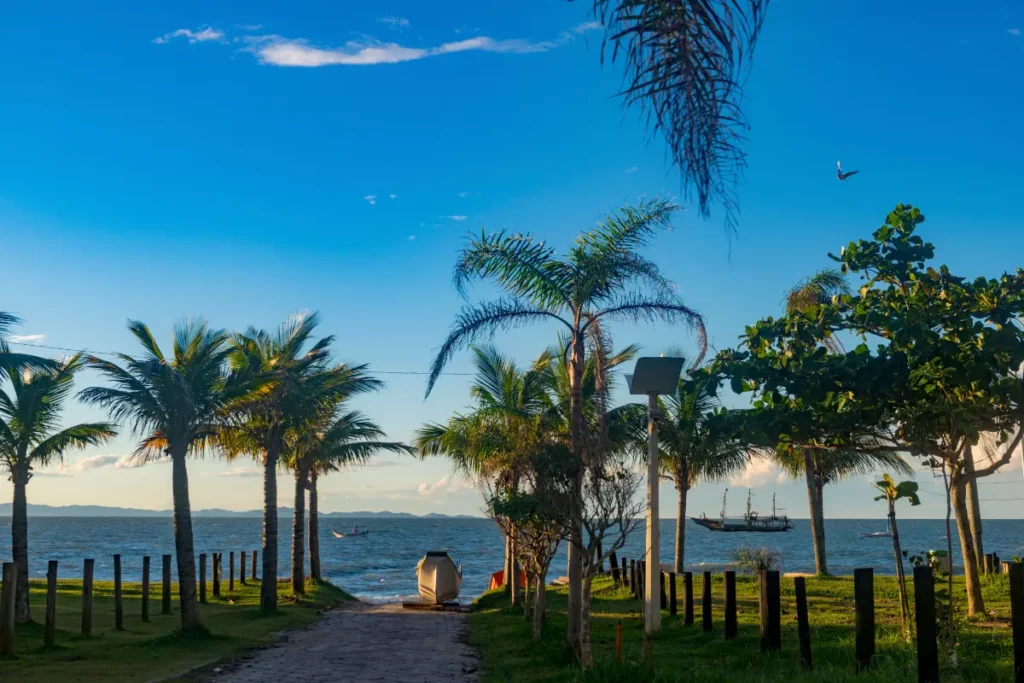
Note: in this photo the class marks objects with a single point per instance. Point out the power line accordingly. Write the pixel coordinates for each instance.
(114, 353)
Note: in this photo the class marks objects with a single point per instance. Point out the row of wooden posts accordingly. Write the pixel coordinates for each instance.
(10, 575)
(631, 574)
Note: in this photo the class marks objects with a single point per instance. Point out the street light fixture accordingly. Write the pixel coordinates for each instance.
(653, 377)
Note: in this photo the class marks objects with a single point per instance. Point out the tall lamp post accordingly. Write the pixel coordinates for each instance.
(653, 377)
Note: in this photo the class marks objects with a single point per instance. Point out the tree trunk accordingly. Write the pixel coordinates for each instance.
(973, 504)
(817, 520)
(268, 585)
(586, 660)
(314, 531)
(183, 548)
(513, 581)
(506, 579)
(539, 605)
(901, 580)
(975, 602)
(575, 559)
(299, 534)
(19, 544)
(526, 597)
(682, 488)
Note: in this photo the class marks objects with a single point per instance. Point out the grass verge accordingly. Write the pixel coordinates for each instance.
(157, 649)
(685, 653)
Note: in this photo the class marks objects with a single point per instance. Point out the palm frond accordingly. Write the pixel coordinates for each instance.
(524, 267)
(638, 308)
(79, 436)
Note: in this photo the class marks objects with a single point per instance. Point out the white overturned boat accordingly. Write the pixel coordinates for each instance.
(440, 581)
(351, 535)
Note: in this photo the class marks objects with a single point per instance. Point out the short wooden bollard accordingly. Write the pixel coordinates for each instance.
(241, 569)
(641, 578)
(672, 593)
(924, 617)
(803, 626)
(664, 590)
(632, 579)
(771, 611)
(145, 588)
(50, 634)
(688, 596)
(996, 564)
(231, 571)
(165, 607)
(118, 605)
(864, 619)
(7, 598)
(216, 575)
(730, 605)
(1016, 572)
(87, 597)
(986, 565)
(202, 578)
(613, 562)
(706, 616)
(254, 554)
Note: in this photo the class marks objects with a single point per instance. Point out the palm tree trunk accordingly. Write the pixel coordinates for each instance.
(575, 558)
(975, 601)
(183, 546)
(314, 531)
(817, 522)
(539, 604)
(268, 586)
(19, 544)
(682, 488)
(298, 534)
(973, 504)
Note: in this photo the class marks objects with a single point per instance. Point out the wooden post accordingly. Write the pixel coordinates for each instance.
(118, 605)
(49, 635)
(231, 571)
(771, 611)
(7, 598)
(216, 575)
(613, 561)
(1017, 614)
(202, 578)
(1006, 567)
(87, 597)
(672, 593)
(241, 568)
(641, 578)
(986, 564)
(688, 596)
(664, 590)
(864, 619)
(254, 554)
(802, 624)
(145, 588)
(632, 579)
(924, 616)
(166, 606)
(730, 605)
(996, 564)
(705, 614)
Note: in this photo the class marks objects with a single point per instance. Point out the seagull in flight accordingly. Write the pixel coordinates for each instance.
(841, 175)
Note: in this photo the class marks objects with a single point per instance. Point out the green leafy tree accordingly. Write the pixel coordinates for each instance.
(601, 278)
(175, 405)
(31, 436)
(892, 492)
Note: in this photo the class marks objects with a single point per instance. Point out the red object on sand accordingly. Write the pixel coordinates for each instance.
(498, 579)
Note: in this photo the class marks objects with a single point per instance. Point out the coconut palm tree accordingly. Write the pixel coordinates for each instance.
(341, 441)
(300, 383)
(30, 436)
(602, 277)
(9, 360)
(175, 405)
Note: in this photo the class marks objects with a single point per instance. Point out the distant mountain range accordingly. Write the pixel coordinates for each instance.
(104, 511)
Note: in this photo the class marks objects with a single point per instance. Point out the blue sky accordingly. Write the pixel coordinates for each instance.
(242, 162)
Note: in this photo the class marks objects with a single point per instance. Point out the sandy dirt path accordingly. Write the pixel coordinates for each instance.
(366, 643)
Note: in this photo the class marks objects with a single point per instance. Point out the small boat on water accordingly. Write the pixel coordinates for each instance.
(878, 534)
(349, 535)
(439, 580)
(751, 521)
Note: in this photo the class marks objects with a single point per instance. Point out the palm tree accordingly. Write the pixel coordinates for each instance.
(175, 406)
(343, 440)
(602, 277)
(10, 360)
(299, 385)
(30, 436)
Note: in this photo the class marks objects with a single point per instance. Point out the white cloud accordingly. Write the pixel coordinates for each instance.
(759, 471)
(22, 338)
(447, 484)
(1013, 31)
(130, 462)
(90, 463)
(240, 472)
(297, 52)
(392, 196)
(463, 195)
(586, 26)
(200, 35)
(456, 218)
(632, 169)
(372, 198)
(395, 22)
(249, 27)
(412, 237)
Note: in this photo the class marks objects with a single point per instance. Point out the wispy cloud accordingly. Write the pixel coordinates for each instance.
(412, 237)
(447, 484)
(463, 195)
(199, 35)
(27, 338)
(456, 218)
(1013, 31)
(631, 169)
(91, 463)
(392, 196)
(586, 26)
(371, 198)
(240, 472)
(131, 462)
(395, 22)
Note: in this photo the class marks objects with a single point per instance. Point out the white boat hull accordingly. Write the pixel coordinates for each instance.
(439, 580)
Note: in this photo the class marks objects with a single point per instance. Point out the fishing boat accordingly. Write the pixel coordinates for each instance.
(879, 534)
(751, 521)
(439, 580)
(350, 535)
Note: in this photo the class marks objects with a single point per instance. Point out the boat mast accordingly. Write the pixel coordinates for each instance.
(773, 506)
(749, 494)
(724, 496)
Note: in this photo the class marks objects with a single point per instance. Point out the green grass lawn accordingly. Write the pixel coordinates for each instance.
(154, 650)
(685, 653)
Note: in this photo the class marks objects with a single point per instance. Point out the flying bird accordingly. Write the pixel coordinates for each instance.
(841, 175)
